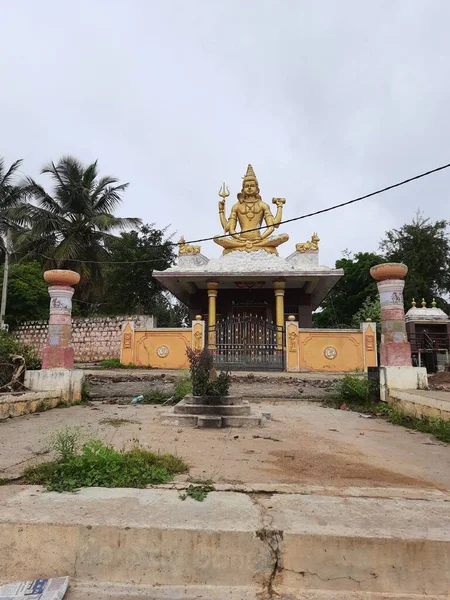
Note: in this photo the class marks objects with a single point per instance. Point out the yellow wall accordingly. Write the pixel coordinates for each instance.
(157, 348)
(332, 351)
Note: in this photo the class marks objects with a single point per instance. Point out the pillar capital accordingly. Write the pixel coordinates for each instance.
(279, 285)
(212, 287)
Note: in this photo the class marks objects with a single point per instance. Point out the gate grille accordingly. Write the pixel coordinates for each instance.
(241, 343)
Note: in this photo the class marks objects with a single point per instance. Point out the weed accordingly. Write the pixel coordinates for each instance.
(4, 481)
(98, 465)
(117, 422)
(86, 392)
(358, 393)
(198, 492)
(183, 387)
(437, 427)
(66, 442)
(62, 404)
(43, 405)
(155, 397)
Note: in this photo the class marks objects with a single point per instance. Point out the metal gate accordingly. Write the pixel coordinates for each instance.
(243, 342)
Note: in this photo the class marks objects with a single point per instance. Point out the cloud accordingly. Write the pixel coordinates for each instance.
(328, 100)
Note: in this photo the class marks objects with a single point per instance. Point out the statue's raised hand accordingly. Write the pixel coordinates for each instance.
(279, 201)
(221, 205)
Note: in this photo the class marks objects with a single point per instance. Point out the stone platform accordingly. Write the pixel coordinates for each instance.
(212, 412)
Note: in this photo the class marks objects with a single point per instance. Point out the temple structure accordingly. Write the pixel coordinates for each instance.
(249, 295)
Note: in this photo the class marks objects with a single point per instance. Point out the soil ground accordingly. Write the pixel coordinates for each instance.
(303, 443)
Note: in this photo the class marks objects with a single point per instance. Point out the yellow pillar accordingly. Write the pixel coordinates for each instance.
(278, 287)
(212, 288)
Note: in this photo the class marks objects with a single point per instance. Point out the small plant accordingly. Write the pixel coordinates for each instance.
(86, 392)
(10, 346)
(43, 405)
(437, 427)
(66, 442)
(198, 492)
(155, 397)
(183, 387)
(99, 465)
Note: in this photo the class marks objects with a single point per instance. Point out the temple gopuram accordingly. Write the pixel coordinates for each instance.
(252, 307)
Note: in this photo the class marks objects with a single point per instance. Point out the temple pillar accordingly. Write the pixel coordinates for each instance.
(395, 350)
(212, 288)
(279, 288)
(58, 352)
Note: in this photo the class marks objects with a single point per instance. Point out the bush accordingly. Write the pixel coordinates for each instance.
(155, 397)
(358, 393)
(201, 365)
(10, 346)
(99, 465)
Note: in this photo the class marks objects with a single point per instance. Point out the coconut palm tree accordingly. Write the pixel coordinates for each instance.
(13, 214)
(70, 225)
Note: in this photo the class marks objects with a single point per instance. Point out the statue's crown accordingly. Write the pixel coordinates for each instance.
(250, 175)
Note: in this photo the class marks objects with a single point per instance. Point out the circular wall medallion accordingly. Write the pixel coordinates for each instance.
(330, 353)
(162, 351)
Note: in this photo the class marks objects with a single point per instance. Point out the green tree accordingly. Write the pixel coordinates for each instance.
(13, 200)
(423, 246)
(131, 288)
(71, 225)
(351, 292)
(28, 298)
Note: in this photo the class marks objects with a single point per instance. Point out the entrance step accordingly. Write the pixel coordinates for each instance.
(215, 409)
(208, 422)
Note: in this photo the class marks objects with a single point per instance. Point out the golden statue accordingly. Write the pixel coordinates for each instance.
(184, 248)
(313, 245)
(250, 211)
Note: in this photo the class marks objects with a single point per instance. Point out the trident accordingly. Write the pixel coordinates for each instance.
(224, 192)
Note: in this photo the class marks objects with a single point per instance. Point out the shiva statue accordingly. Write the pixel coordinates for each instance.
(250, 211)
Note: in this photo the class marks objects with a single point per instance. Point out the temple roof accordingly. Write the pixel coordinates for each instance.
(426, 315)
(299, 270)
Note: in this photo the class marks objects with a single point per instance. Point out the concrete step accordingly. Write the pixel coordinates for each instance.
(231, 400)
(275, 545)
(180, 420)
(209, 422)
(207, 409)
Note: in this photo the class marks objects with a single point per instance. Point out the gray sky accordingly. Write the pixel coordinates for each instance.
(327, 99)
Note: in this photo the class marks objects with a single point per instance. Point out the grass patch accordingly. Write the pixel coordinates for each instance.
(117, 422)
(439, 428)
(114, 363)
(183, 387)
(99, 465)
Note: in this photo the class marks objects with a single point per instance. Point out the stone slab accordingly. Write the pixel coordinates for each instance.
(292, 545)
(421, 403)
(23, 403)
(69, 382)
(228, 400)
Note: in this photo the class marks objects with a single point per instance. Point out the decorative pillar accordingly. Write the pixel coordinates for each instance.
(279, 287)
(395, 350)
(212, 288)
(292, 348)
(58, 352)
(198, 333)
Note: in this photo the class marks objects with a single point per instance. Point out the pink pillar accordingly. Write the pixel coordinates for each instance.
(395, 350)
(58, 352)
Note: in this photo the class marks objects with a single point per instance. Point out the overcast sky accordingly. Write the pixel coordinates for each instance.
(327, 99)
